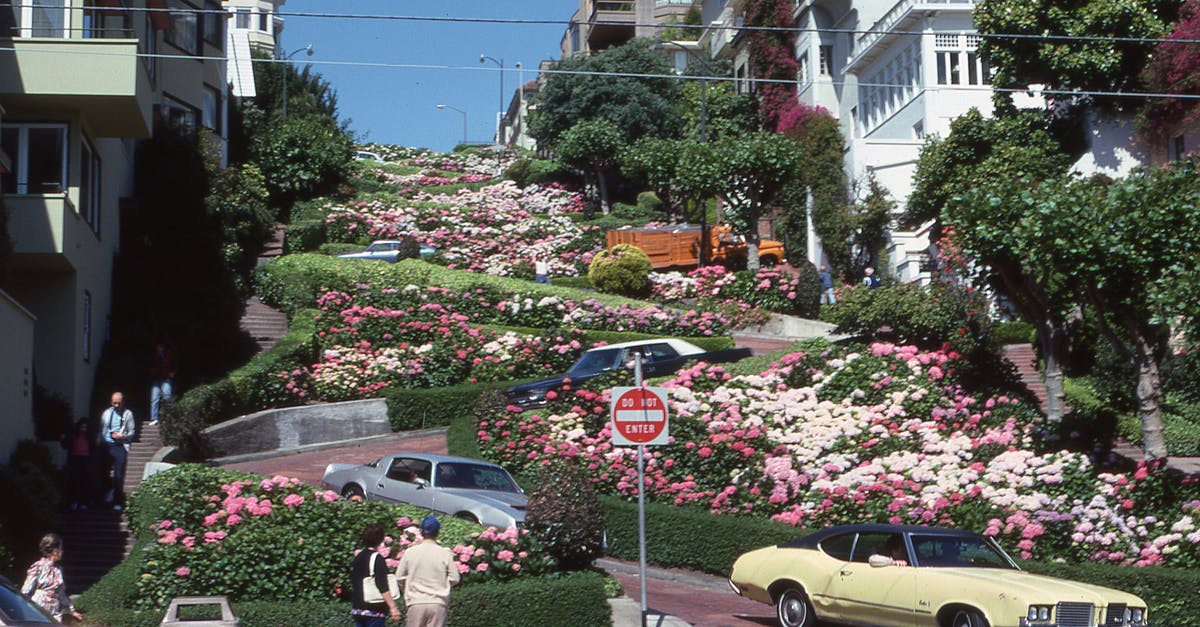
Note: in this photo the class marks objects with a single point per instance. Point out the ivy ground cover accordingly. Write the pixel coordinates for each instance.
(881, 433)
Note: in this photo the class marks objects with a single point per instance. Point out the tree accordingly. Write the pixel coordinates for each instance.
(821, 178)
(975, 180)
(592, 146)
(727, 112)
(1093, 46)
(773, 58)
(301, 158)
(636, 105)
(1174, 69)
(753, 170)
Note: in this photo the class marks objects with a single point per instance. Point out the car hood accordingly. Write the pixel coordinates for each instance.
(1030, 588)
(514, 501)
(541, 384)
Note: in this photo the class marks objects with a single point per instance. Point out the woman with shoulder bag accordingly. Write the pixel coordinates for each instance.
(368, 570)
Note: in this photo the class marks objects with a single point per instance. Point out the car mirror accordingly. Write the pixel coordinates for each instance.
(879, 561)
(421, 483)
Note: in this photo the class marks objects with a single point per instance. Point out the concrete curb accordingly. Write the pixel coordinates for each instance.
(319, 446)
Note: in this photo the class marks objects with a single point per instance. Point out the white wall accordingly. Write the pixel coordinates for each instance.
(16, 375)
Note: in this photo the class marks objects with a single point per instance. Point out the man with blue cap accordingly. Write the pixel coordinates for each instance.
(427, 571)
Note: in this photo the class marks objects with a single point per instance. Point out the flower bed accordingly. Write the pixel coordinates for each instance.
(253, 538)
(422, 337)
(768, 288)
(882, 434)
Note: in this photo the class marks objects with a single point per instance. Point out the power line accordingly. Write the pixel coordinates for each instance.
(634, 75)
(654, 25)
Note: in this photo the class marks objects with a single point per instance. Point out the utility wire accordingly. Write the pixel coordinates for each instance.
(694, 27)
(670, 75)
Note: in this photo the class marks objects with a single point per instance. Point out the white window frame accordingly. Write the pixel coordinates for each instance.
(90, 178)
(20, 156)
(26, 8)
(825, 60)
(242, 19)
(211, 112)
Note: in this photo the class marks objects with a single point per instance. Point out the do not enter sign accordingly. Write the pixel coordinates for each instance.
(639, 416)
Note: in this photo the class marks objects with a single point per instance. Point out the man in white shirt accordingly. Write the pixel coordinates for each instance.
(426, 571)
(116, 432)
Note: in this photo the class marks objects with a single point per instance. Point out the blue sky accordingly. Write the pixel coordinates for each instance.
(399, 105)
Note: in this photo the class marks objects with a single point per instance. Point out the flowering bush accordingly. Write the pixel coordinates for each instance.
(225, 533)
(884, 434)
(769, 288)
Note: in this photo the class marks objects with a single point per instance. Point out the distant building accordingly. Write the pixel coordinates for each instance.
(601, 24)
(82, 83)
(254, 25)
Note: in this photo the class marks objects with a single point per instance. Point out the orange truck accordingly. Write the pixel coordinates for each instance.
(678, 246)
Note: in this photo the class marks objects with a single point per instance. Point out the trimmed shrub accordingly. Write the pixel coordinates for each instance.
(650, 201)
(425, 408)
(1170, 592)
(1090, 425)
(928, 317)
(303, 236)
(1014, 332)
(564, 514)
(569, 600)
(1180, 432)
(338, 248)
(623, 269)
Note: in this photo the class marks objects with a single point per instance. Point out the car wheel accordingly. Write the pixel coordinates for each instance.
(351, 491)
(967, 618)
(794, 610)
(467, 516)
(768, 261)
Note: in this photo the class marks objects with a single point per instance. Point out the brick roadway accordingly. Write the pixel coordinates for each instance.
(696, 598)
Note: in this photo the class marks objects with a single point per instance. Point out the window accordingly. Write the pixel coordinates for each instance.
(826, 61)
(802, 76)
(211, 113)
(185, 27)
(264, 21)
(89, 187)
(87, 325)
(1178, 148)
(243, 19)
(149, 45)
(839, 547)
(919, 130)
(42, 18)
(39, 158)
(100, 21)
(214, 23)
(180, 116)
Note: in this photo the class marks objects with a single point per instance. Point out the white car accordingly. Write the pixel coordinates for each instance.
(364, 155)
(386, 250)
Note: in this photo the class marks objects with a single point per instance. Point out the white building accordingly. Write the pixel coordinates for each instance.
(253, 25)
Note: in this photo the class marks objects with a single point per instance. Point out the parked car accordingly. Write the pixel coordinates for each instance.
(474, 490)
(365, 155)
(386, 250)
(15, 609)
(660, 357)
(891, 575)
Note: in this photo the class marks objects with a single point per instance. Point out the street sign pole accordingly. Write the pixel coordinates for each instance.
(641, 450)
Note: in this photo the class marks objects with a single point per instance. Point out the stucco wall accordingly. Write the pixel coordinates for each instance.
(298, 426)
(16, 375)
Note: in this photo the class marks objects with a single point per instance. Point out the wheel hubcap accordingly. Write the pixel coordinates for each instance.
(793, 610)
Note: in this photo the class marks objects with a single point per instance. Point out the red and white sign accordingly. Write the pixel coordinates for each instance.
(639, 416)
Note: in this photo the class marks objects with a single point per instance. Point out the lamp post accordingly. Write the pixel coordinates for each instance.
(520, 102)
(703, 134)
(483, 58)
(288, 63)
(464, 114)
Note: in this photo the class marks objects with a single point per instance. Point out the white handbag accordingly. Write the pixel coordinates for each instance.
(371, 592)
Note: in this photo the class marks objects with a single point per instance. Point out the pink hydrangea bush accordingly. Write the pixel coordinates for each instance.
(882, 434)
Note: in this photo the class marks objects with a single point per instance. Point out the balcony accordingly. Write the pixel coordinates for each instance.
(103, 79)
(610, 24)
(905, 16)
(47, 232)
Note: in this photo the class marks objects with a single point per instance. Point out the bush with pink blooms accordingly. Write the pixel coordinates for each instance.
(217, 532)
(881, 433)
(769, 288)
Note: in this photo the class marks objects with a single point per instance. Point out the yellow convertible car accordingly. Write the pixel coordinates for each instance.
(914, 576)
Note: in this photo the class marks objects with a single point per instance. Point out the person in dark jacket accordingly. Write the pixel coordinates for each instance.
(368, 562)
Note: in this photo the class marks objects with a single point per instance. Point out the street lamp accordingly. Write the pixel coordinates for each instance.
(483, 58)
(704, 67)
(464, 114)
(287, 63)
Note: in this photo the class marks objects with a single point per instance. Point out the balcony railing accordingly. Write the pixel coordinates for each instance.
(885, 24)
(56, 21)
(612, 11)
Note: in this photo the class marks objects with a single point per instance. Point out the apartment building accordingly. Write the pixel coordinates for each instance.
(600, 24)
(254, 25)
(81, 82)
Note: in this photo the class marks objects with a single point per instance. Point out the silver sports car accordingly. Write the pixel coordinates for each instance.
(467, 488)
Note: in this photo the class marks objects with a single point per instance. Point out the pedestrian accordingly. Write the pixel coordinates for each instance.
(827, 296)
(370, 569)
(541, 270)
(79, 463)
(44, 580)
(116, 432)
(869, 278)
(162, 373)
(427, 571)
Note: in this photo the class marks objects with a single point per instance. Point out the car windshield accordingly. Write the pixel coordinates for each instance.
(953, 551)
(15, 608)
(474, 477)
(597, 361)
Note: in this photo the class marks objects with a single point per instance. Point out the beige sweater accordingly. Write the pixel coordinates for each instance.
(427, 570)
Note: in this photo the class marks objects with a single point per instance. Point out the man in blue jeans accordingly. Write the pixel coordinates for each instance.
(116, 432)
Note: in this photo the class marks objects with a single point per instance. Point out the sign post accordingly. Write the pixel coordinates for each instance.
(639, 417)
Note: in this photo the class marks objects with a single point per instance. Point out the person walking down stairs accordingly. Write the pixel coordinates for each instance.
(116, 432)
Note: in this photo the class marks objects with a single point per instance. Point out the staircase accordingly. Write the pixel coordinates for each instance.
(1026, 360)
(260, 322)
(97, 539)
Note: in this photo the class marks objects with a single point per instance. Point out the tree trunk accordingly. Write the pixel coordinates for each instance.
(603, 186)
(1154, 445)
(1050, 345)
(752, 240)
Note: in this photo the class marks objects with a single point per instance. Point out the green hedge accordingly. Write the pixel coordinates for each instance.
(574, 599)
(1014, 332)
(337, 248)
(303, 236)
(250, 388)
(294, 282)
(432, 407)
